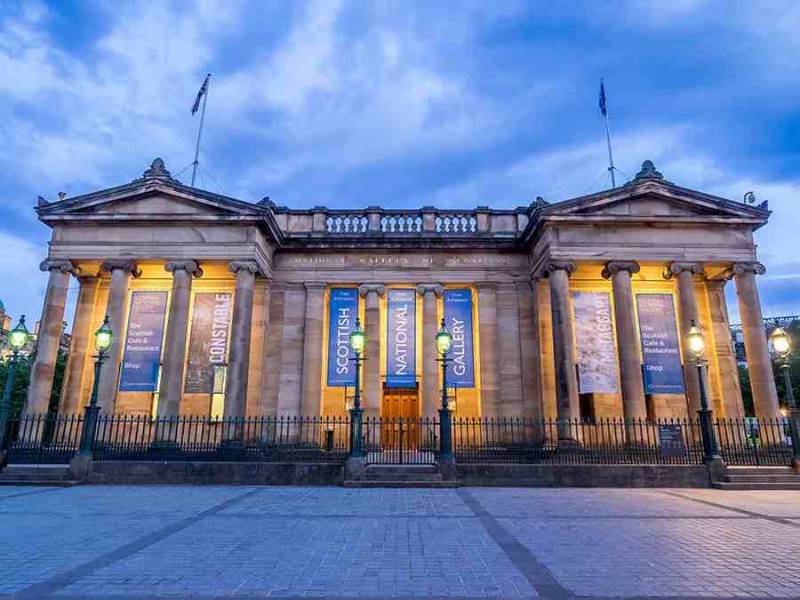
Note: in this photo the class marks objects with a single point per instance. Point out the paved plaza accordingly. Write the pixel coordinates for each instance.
(245, 542)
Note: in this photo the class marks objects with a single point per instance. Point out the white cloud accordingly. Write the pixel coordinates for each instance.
(24, 283)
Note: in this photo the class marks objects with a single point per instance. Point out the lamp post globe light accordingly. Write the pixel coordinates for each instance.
(444, 342)
(782, 346)
(103, 338)
(358, 341)
(697, 346)
(17, 339)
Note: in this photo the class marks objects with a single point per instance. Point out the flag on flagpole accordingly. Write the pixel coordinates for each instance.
(602, 98)
(200, 94)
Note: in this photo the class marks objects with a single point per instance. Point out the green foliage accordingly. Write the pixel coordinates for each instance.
(747, 394)
(793, 331)
(22, 379)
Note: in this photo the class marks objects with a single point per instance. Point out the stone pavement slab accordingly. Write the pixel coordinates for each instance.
(237, 542)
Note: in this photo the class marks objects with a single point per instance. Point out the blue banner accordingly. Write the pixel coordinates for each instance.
(401, 338)
(458, 317)
(342, 315)
(658, 332)
(142, 357)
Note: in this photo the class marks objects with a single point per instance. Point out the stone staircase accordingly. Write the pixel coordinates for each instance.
(400, 476)
(37, 475)
(759, 478)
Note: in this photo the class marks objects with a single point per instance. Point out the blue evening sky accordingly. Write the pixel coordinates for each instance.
(402, 104)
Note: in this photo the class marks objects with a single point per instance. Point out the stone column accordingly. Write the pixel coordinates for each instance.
(726, 356)
(508, 337)
(173, 361)
(81, 345)
(273, 355)
(311, 401)
(762, 382)
(628, 350)
(489, 349)
(372, 353)
(241, 327)
(290, 384)
(567, 404)
(688, 312)
(121, 271)
(430, 368)
(529, 350)
(50, 329)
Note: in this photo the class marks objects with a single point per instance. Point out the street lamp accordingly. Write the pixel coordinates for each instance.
(697, 346)
(17, 339)
(444, 342)
(782, 346)
(103, 338)
(358, 341)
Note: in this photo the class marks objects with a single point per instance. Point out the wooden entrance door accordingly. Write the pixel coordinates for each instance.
(400, 417)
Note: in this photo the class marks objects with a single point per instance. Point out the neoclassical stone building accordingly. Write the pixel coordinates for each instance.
(558, 310)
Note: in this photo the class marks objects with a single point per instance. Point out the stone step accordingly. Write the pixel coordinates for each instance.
(763, 478)
(756, 470)
(37, 483)
(726, 485)
(35, 473)
(350, 483)
(402, 468)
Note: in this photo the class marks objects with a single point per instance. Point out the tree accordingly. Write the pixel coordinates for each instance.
(22, 379)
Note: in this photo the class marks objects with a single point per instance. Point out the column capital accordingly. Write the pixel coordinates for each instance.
(616, 266)
(190, 266)
(249, 266)
(436, 288)
(676, 268)
(560, 265)
(125, 264)
(366, 288)
(740, 268)
(65, 266)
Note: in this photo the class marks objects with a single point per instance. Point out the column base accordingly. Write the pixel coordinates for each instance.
(80, 466)
(447, 467)
(355, 467)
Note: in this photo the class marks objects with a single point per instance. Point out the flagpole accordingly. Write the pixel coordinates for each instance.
(200, 130)
(610, 156)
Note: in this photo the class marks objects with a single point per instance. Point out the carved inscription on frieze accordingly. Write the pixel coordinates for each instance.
(412, 261)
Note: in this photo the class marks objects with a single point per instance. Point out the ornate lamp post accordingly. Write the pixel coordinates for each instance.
(102, 342)
(358, 341)
(444, 341)
(17, 339)
(782, 346)
(697, 346)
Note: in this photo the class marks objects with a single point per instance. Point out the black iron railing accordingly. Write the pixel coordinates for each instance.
(395, 440)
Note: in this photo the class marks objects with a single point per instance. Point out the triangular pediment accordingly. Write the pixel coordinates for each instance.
(654, 200)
